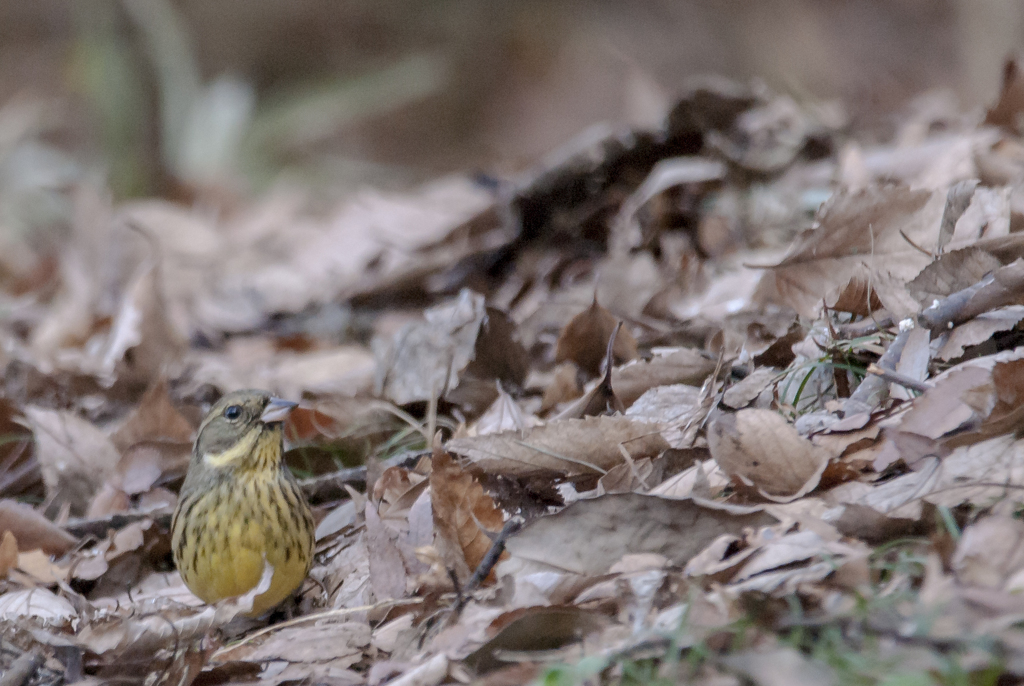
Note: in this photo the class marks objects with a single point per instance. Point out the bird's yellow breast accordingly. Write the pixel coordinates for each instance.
(223, 532)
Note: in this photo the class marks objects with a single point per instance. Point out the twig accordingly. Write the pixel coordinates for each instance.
(332, 486)
(901, 379)
(1004, 286)
(864, 327)
(511, 528)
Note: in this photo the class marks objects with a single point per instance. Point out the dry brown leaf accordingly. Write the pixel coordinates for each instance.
(990, 553)
(1006, 112)
(387, 569)
(463, 515)
(142, 340)
(37, 603)
(154, 419)
(76, 457)
(393, 535)
(857, 297)
(746, 390)
(601, 398)
(533, 629)
(337, 644)
(33, 530)
(950, 273)
(155, 442)
(980, 329)
(666, 367)
(857, 234)
(679, 408)
(584, 340)
(569, 446)
(761, 449)
(395, 491)
(458, 352)
(563, 387)
(946, 408)
(8, 553)
(589, 536)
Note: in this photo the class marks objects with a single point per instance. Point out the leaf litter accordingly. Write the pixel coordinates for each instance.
(605, 420)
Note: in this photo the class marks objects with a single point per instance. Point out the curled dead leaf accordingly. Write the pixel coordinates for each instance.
(760, 449)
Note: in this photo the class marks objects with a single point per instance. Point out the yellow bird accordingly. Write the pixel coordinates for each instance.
(240, 506)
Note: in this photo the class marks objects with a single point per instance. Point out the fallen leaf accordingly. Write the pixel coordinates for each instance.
(990, 553)
(679, 408)
(980, 329)
(1006, 112)
(458, 352)
(569, 446)
(666, 367)
(539, 629)
(504, 414)
(857, 234)
(8, 553)
(340, 644)
(39, 604)
(584, 340)
(32, 530)
(255, 363)
(950, 273)
(75, 456)
(589, 536)
(761, 449)
(743, 392)
(463, 516)
(142, 339)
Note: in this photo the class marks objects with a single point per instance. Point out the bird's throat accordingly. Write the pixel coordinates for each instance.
(259, 449)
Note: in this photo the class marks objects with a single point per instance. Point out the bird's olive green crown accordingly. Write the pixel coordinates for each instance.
(234, 416)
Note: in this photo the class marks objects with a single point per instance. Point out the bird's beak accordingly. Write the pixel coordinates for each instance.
(277, 410)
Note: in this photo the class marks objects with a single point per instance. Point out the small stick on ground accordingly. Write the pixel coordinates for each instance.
(897, 378)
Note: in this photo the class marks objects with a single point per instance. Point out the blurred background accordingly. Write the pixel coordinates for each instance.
(164, 97)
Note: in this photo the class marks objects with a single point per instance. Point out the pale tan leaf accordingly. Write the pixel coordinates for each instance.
(744, 392)
(8, 553)
(590, 535)
(666, 367)
(857, 234)
(569, 446)
(37, 603)
(341, 644)
(75, 456)
(457, 352)
(990, 552)
(980, 329)
(32, 530)
(761, 449)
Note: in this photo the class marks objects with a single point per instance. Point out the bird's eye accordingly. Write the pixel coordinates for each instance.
(233, 412)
